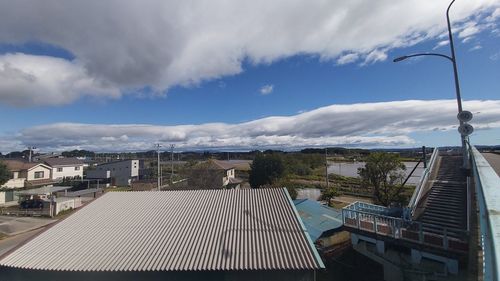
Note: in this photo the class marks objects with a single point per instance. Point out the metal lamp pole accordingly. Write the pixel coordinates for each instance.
(453, 60)
(159, 171)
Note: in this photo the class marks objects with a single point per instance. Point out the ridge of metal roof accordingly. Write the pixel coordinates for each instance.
(188, 230)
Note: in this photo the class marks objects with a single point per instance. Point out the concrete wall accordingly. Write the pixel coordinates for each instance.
(14, 183)
(67, 172)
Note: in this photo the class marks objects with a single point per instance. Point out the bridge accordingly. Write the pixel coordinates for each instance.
(451, 209)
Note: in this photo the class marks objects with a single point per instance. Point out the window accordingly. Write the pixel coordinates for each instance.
(59, 169)
(39, 175)
(77, 168)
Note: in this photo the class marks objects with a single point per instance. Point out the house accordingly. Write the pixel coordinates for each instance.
(214, 174)
(224, 234)
(324, 225)
(121, 173)
(26, 174)
(65, 168)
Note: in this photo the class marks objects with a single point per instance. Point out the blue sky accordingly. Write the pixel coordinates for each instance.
(297, 81)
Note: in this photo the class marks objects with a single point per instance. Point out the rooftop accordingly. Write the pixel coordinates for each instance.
(318, 219)
(63, 161)
(189, 230)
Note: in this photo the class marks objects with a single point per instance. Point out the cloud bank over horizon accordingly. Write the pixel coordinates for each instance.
(381, 124)
(161, 44)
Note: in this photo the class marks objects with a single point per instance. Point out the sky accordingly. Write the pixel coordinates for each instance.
(243, 75)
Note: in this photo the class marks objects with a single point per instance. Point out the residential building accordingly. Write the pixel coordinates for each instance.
(214, 174)
(65, 168)
(25, 174)
(121, 173)
(235, 234)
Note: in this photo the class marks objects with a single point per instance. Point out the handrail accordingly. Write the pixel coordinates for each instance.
(487, 184)
(399, 228)
(422, 182)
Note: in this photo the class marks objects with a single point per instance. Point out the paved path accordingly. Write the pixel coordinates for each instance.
(11, 225)
(11, 242)
(494, 160)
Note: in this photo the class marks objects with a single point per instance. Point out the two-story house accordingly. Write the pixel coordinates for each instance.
(25, 174)
(213, 174)
(65, 168)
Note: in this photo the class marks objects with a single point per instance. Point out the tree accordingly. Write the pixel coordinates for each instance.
(329, 193)
(265, 170)
(5, 174)
(385, 172)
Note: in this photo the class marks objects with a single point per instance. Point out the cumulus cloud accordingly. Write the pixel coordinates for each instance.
(363, 124)
(27, 80)
(266, 89)
(156, 43)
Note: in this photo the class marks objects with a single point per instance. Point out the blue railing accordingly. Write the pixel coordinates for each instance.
(487, 184)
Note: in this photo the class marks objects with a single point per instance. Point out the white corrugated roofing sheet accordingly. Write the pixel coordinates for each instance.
(244, 229)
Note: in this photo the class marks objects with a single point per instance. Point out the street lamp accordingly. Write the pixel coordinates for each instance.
(453, 60)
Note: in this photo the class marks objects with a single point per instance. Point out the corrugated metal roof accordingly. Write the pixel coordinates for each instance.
(318, 218)
(232, 229)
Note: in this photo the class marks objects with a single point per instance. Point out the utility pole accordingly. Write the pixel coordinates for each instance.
(159, 169)
(30, 148)
(326, 167)
(172, 163)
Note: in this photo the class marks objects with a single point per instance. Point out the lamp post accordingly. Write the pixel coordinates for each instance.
(159, 167)
(453, 60)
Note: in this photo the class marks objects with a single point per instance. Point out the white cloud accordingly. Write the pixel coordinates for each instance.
(475, 48)
(133, 44)
(27, 80)
(362, 124)
(345, 59)
(375, 56)
(266, 89)
(441, 44)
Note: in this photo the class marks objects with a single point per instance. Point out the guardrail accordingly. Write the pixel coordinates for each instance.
(487, 184)
(417, 194)
(375, 219)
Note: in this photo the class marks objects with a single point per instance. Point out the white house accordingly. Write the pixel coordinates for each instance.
(26, 174)
(122, 173)
(65, 168)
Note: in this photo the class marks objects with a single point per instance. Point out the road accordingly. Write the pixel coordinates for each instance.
(11, 242)
(494, 160)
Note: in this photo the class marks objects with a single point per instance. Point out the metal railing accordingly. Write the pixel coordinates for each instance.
(487, 184)
(417, 194)
(375, 219)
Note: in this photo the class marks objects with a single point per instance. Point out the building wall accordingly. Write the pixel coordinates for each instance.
(228, 174)
(123, 172)
(67, 172)
(31, 173)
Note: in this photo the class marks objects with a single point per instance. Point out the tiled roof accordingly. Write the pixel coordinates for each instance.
(18, 165)
(54, 162)
(188, 230)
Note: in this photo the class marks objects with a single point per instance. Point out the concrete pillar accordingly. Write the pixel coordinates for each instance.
(354, 239)
(416, 256)
(452, 266)
(380, 247)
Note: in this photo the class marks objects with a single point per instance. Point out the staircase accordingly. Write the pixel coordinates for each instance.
(445, 205)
